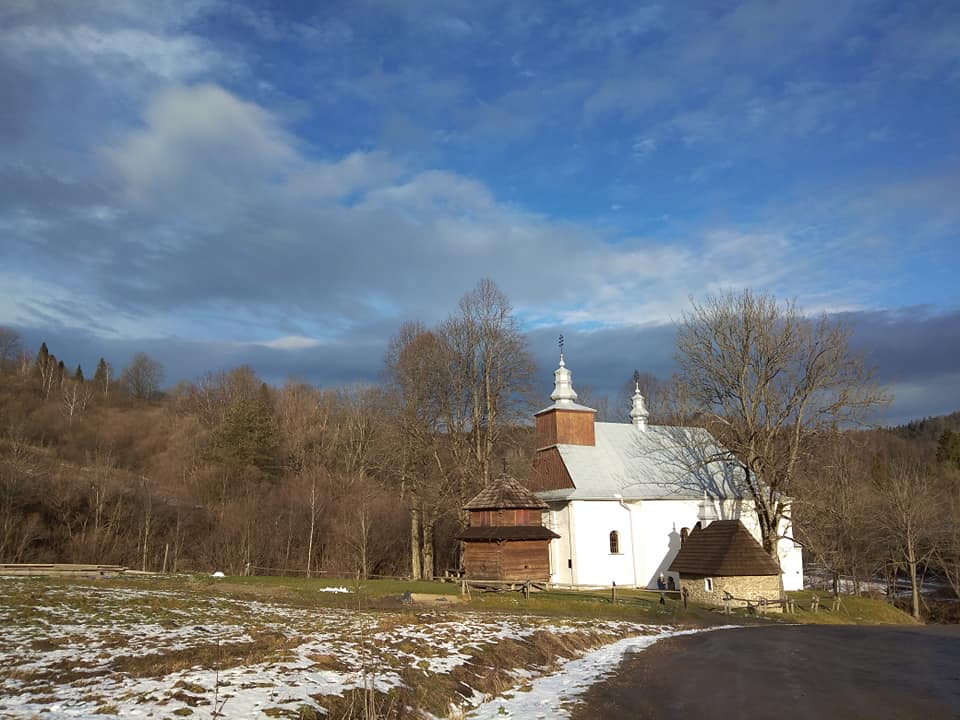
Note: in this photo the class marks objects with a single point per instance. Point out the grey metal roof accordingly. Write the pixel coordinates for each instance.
(565, 406)
(663, 462)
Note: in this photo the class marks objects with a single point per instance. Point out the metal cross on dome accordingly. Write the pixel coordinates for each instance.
(561, 347)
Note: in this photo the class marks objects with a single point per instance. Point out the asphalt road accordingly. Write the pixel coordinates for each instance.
(807, 672)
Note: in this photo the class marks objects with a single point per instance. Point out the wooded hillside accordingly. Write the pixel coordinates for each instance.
(226, 471)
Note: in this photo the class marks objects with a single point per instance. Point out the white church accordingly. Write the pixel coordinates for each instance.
(622, 496)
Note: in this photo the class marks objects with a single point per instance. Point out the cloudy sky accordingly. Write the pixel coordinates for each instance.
(283, 184)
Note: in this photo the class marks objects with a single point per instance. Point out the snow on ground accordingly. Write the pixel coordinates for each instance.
(551, 696)
(105, 650)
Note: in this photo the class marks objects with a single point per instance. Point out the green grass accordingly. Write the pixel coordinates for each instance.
(632, 604)
(853, 610)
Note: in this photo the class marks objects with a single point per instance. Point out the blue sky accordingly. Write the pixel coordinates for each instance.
(283, 184)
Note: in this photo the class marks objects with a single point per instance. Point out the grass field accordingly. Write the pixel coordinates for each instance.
(289, 647)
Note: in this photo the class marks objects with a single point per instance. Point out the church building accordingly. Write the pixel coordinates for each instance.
(622, 497)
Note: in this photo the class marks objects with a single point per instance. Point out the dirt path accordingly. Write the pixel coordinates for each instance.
(788, 672)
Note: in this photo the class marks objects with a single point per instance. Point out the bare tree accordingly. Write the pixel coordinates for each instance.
(142, 377)
(428, 436)
(767, 381)
(10, 348)
(492, 367)
(836, 509)
(76, 396)
(947, 549)
(909, 504)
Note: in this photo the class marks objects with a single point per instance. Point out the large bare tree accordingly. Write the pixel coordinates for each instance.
(767, 381)
(457, 388)
(910, 504)
(142, 377)
(492, 367)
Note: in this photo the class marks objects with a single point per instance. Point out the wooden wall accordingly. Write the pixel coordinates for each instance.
(549, 472)
(526, 560)
(565, 427)
(508, 517)
(507, 560)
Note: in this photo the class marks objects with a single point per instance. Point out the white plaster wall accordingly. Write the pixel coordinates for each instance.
(649, 540)
(593, 564)
(659, 523)
(560, 549)
(791, 558)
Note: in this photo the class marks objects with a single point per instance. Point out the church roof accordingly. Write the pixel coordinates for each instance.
(723, 548)
(505, 493)
(507, 532)
(565, 406)
(662, 462)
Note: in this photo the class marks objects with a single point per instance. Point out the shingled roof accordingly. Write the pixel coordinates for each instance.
(723, 548)
(507, 532)
(505, 493)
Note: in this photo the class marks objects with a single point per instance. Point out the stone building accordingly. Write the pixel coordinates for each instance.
(724, 558)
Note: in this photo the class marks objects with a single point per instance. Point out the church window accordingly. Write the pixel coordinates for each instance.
(614, 542)
(684, 532)
(708, 584)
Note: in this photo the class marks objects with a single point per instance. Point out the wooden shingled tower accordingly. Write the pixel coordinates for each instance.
(506, 539)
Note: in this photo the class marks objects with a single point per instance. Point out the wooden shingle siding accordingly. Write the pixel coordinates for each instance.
(565, 427)
(724, 547)
(549, 472)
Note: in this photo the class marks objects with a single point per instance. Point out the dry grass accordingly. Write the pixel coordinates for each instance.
(265, 647)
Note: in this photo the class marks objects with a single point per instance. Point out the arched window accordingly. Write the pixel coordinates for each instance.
(684, 532)
(614, 542)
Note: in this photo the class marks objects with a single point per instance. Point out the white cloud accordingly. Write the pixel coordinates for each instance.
(291, 342)
(200, 141)
(108, 53)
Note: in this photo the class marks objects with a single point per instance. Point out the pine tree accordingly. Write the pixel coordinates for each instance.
(102, 378)
(948, 449)
(248, 436)
(78, 374)
(43, 355)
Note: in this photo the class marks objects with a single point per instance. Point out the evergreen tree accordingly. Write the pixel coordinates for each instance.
(948, 449)
(43, 355)
(248, 437)
(78, 374)
(102, 377)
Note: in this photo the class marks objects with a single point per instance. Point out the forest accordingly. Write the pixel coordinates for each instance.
(226, 472)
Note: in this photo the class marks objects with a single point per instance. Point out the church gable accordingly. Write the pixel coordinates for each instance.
(549, 471)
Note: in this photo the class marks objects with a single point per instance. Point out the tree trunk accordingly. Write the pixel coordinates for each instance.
(313, 523)
(914, 587)
(428, 568)
(416, 571)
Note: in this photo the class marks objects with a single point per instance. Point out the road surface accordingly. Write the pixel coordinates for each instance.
(806, 672)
